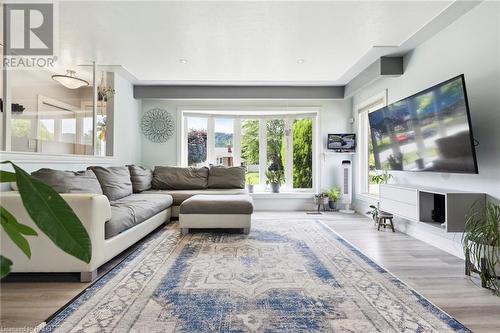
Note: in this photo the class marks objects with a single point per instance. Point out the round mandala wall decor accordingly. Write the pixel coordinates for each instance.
(157, 125)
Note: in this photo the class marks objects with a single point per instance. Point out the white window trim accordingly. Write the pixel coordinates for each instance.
(210, 141)
(287, 113)
(262, 151)
(362, 109)
(237, 141)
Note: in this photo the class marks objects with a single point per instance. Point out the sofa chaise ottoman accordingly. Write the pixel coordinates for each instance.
(216, 211)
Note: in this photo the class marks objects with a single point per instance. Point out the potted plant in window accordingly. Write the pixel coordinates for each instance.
(381, 178)
(250, 183)
(481, 242)
(333, 195)
(275, 178)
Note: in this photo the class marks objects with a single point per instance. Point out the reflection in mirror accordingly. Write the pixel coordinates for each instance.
(48, 117)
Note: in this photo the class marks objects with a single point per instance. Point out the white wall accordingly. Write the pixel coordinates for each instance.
(334, 117)
(470, 45)
(127, 136)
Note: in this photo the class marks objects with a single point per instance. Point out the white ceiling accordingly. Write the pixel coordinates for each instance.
(237, 42)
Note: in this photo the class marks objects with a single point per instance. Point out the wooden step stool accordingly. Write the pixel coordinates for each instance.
(384, 219)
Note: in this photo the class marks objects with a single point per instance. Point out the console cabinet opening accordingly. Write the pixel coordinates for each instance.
(432, 207)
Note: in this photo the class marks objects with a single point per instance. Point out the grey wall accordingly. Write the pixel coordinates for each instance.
(239, 92)
(471, 46)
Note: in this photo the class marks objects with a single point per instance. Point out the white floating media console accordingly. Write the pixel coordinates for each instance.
(438, 207)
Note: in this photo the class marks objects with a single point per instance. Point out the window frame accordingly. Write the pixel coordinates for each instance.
(363, 109)
(261, 114)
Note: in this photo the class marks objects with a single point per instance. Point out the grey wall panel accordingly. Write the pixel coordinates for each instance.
(239, 92)
(391, 66)
(385, 66)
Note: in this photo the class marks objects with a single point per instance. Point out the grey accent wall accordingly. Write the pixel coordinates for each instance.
(239, 92)
(470, 45)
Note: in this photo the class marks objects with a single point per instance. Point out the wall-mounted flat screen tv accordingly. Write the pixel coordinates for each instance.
(342, 143)
(429, 131)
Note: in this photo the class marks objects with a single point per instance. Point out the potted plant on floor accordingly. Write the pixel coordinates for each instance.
(333, 195)
(321, 199)
(275, 178)
(374, 212)
(481, 242)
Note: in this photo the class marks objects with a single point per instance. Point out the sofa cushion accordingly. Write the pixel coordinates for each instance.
(175, 178)
(218, 204)
(141, 178)
(180, 195)
(133, 210)
(69, 181)
(115, 181)
(224, 177)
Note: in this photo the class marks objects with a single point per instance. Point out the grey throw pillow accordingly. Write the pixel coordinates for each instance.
(141, 178)
(69, 181)
(115, 181)
(226, 177)
(175, 178)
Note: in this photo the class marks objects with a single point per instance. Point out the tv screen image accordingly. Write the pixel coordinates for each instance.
(342, 142)
(429, 131)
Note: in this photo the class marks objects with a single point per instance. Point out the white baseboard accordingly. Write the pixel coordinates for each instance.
(447, 241)
(283, 204)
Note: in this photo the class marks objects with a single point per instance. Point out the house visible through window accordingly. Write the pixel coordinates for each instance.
(259, 141)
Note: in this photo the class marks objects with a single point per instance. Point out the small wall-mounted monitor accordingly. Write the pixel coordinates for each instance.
(342, 143)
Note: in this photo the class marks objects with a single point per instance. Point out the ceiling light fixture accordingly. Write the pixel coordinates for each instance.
(300, 61)
(183, 61)
(70, 80)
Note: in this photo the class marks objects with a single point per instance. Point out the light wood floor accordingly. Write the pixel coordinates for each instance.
(435, 274)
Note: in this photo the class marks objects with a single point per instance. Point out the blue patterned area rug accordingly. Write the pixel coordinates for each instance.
(286, 276)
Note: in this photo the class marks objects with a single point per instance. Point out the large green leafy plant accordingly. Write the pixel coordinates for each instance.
(51, 214)
(481, 241)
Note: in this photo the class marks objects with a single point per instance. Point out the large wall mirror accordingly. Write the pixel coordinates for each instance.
(48, 117)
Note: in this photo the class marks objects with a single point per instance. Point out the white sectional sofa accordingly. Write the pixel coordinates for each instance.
(132, 202)
(94, 211)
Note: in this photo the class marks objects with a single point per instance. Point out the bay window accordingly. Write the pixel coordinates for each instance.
(259, 141)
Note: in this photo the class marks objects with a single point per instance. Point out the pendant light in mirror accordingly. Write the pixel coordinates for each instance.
(70, 80)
